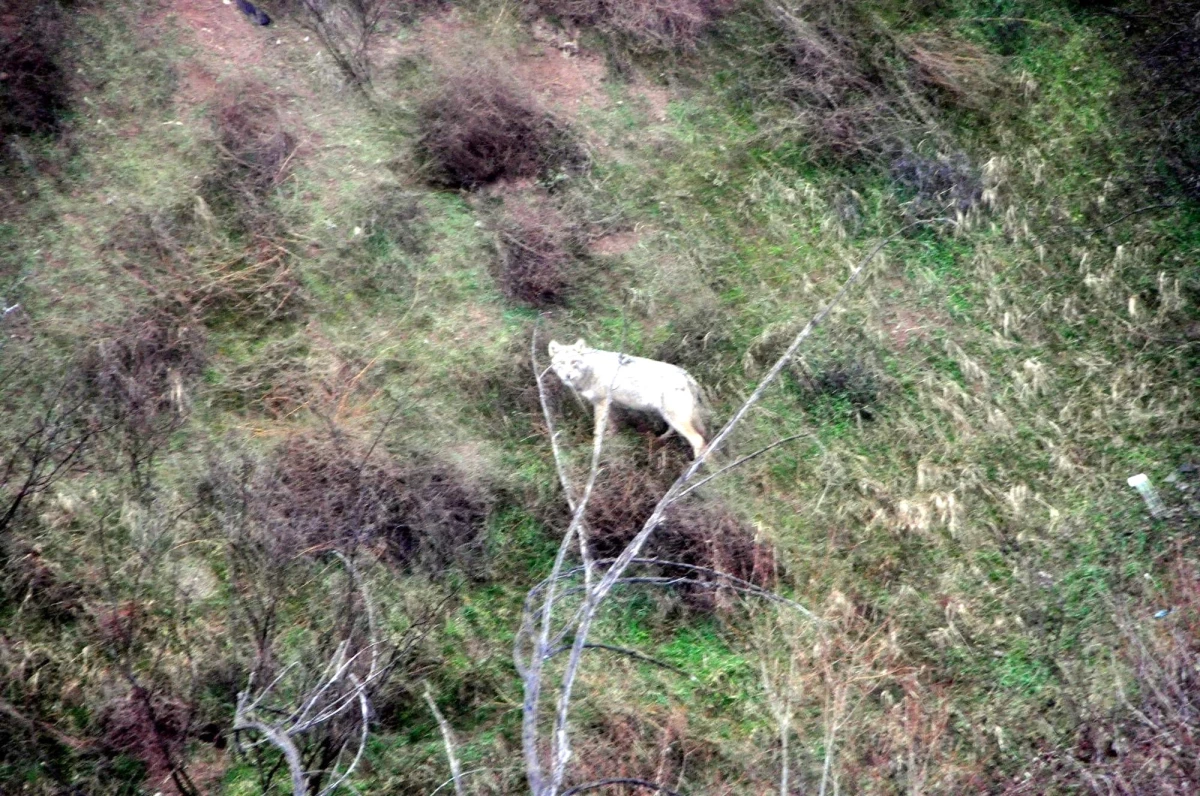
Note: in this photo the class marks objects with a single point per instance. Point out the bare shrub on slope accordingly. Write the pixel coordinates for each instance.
(538, 251)
(33, 89)
(479, 127)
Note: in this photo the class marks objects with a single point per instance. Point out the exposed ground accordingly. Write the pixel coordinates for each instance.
(265, 389)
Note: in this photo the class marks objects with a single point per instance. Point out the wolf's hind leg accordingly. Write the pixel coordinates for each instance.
(688, 429)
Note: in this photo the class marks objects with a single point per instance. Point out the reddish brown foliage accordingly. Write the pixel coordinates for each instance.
(480, 128)
(700, 534)
(152, 728)
(322, 493)
(538, 251)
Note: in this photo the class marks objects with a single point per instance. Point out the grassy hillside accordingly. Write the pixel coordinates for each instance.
(266, 395)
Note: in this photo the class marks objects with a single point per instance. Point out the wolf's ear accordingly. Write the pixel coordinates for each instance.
(580, 343)
(554, 346)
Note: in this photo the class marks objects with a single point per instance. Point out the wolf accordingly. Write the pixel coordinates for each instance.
(605, 378)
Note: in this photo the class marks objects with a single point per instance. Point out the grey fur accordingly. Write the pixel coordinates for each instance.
(606, 378)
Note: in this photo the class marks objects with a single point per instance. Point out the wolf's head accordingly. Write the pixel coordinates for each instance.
(567, 361)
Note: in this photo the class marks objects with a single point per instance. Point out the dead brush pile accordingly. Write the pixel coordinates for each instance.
(152, 728)
(538, 252)
(321, 493)
(34, 87)
(140, 370)
(642, 25)
(480, 127)
(180, 258)
(704, 538)
(255, 152)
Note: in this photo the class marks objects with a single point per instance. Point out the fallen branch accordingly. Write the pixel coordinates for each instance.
(448, 740)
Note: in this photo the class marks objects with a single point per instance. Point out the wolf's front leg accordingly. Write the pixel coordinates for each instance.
(604, 423)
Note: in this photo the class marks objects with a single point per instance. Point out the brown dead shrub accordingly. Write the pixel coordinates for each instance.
(138, 370)
(149, 727)
(538, 252)
(33, 580)
(647, 25)
(256, 150)
(184, 263)
(323, 493)
(964, 73)
(704, 534)
(138, 377)
(33, 85)
(480, 127)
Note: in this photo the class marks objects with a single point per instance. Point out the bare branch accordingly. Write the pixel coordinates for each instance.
(448, 740)
(743, 460)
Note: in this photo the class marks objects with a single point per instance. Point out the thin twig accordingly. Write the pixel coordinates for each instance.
(742, 461)
(1119, 219)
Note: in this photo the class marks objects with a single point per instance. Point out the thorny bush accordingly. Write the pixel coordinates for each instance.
(538, 252)
(33, 89)
(935, 185)
(1166, 38)
(698, 533)
(152, 728)
(322, 493)
(479, 127)
(140, 371)
(256, 150)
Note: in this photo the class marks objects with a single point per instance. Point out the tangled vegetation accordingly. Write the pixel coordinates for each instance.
(288, 500)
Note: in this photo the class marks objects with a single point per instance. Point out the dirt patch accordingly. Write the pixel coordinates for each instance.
(225, 40)
(565, 82)
(566, 78)
(197, 84)
(614, 244)
(905, 325)
(223, 29)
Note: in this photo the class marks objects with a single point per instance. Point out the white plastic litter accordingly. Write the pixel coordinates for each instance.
(1142, 484)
